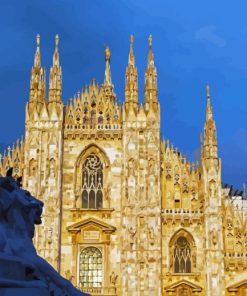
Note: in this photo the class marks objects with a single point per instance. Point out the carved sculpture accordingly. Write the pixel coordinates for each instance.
(113, 278)
(151, 235)
(20, 264)
(132, 233)
(213, 237)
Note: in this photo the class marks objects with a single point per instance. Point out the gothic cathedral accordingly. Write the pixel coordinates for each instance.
(125, 212)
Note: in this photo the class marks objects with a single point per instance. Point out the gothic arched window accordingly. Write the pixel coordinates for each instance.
(91, 270)
(182, 256)
(92, 182)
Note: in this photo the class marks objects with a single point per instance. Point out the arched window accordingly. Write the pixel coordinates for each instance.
(91, 270)
(92, 182)
(182, 256)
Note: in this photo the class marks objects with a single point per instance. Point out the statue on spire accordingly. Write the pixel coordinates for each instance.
(56, 53)
(150, 39)
(209, 141)
(131, 52)
(131, 81)
(55, 85)
(150, 52)
(107, 80)
(37, 83)
(37, 59)
(209, 113)
(150, 78)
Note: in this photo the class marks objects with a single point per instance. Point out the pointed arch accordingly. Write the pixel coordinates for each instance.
(182, 252)
(182, 232)
(91, 182)
(93, 148)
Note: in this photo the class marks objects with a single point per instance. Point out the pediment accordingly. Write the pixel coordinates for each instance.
(237, 285)
(186, 283)
(91, 222)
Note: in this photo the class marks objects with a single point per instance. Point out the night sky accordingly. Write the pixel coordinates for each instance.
(194, 42)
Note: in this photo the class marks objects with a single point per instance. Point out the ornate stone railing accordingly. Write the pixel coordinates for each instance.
(236, 254)
(102, 291)
(181, 211)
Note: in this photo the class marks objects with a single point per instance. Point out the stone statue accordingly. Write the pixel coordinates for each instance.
(131, 168)
(20, 264)
(213, 237)
(132, 233)
(151, 235)
(107, 192)
(212, 189)
(151, 166)
(113, 278)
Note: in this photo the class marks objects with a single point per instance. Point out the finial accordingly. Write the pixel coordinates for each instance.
(107, 53)
(56, 40)
(209, 108)
(150, 52)
(131, 52)
(9, 149)
(208, 91)
(38, 40)
(131, 40)
(37, 61)
(107, 80)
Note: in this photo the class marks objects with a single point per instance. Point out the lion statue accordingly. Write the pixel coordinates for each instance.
(20, 266)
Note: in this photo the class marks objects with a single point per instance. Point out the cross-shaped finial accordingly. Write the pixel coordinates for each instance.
(150, 40)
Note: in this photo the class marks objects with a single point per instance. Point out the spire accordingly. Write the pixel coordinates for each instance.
(107, 87)
(150, 52)
(55, 84)
(150, 79)
(209, 113)
(37, 58)
(107, 80)
(38, 81)
(209, 139)
(131, 52)
(131, 81)
(56, 53)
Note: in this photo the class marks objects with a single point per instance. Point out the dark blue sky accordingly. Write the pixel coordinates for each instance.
(194, 43)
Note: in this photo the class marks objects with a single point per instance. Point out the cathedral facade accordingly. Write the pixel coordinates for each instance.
(125, 212)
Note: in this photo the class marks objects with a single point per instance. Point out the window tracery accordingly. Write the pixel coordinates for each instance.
(91, 270)
(182, 256)
(92, 182)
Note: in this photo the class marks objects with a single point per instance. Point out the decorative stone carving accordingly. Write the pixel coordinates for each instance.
(132, 232)
(113, 278)
(213, 237)
(151, 235)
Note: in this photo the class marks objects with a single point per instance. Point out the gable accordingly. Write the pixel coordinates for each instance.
(186, 283)
(91, 223)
